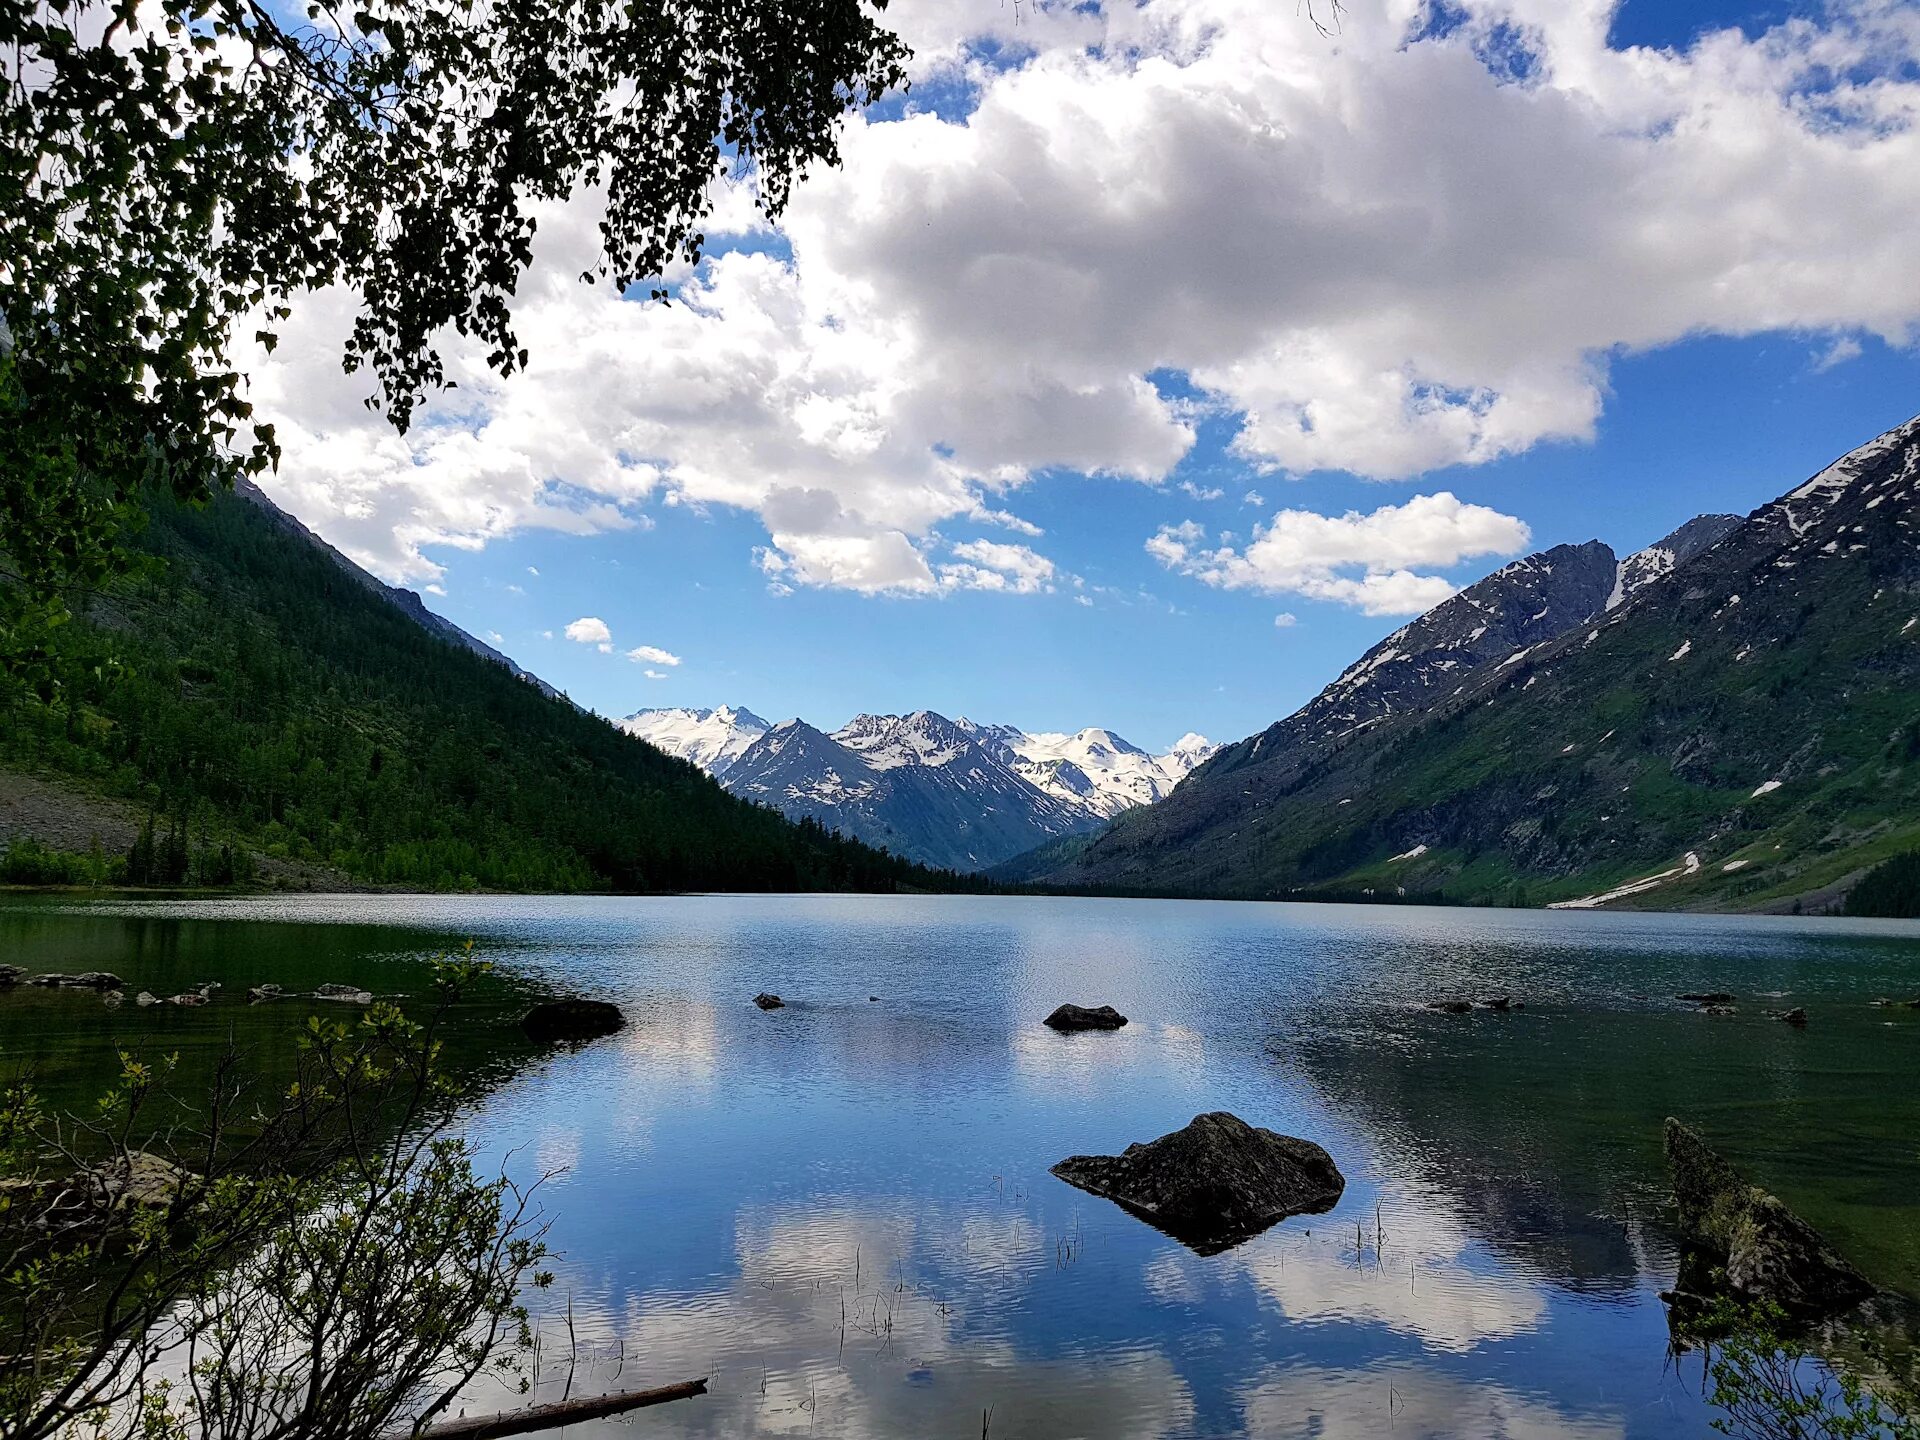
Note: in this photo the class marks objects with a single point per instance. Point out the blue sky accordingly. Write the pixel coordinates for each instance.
(909, 448)
(1708, 425)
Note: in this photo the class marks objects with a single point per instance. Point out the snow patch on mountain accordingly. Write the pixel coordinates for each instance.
(712, 739)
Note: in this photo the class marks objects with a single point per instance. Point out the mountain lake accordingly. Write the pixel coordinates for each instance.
(840, 1212)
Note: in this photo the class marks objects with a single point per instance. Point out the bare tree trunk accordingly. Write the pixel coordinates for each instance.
(547, 1417)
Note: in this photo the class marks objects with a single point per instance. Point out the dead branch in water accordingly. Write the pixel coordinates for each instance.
(548, 1417)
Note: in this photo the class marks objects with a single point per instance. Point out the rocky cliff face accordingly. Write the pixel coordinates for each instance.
(1743, 726)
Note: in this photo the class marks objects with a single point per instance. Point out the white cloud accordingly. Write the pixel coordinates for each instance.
(653, 655)
(1840, 351)
(1381, 254)
(591, 630)
(654, 674)
(1305, 553)
(990, 565)
(1285, 620)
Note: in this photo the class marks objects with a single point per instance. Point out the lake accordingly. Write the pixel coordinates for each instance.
(840, 1212)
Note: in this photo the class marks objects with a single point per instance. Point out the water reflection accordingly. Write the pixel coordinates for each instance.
(841, 1211)
(1404, 1400)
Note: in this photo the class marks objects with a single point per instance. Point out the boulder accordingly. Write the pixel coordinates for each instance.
(571, 1018)
(1796, 1017)
(1766, 1252)
(188, 998)
(1496, 1002)
(108, 1195)
(259, 994)
(52, 980)
(768, 1001)
(1214, 1183)
(10, 975)
(1707, 997)
(146, 998)
(345, 994)
(1450, 1007)
(1079, 1017)
(98, 980)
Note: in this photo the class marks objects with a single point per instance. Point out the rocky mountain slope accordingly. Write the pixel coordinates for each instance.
(916, 784)
(951, 793)
(1740, 726)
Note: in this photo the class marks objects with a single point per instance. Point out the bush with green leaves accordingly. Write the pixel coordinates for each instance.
(323, 1261)
(1769, 1386)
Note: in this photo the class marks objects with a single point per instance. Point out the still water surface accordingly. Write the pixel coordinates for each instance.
(841, 1211)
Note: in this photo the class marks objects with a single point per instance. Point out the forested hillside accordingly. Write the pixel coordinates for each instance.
(255, 693)
(1742, 732)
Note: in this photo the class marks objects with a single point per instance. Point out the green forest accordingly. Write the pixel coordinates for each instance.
(253, 695)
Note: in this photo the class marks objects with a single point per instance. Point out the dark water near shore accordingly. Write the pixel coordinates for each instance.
(841, 1211)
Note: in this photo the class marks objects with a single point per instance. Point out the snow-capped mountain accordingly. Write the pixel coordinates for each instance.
(712, 739)
(917, 784)
(950, 793)
(1095, 769)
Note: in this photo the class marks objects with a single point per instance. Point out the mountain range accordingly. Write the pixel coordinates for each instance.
(949, 793)
(278, 712)
(1729, 718)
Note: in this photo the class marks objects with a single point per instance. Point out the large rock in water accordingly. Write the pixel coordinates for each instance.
(1080, 1017)
(1215, 1183)
(571, 1018)
(1768, 1252)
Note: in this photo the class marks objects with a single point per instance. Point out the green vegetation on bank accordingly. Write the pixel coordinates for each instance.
(253, 694)
(1891, 889)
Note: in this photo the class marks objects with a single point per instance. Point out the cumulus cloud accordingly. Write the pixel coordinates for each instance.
(1285, 620)
(652, 655)
(990, 565)
(591, 630)
(1418, 245)
(1305, 553)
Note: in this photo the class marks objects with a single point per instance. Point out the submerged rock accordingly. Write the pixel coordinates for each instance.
(1451, 1007)
(1768, 1253)
(261, 993)
(1496, 1002)
(87, 980)
(766, 1000)
(1214, 1183)
(571, 1018)
(107, 1195)
(1080, 1017)
(10, 975)
(345, 994)
(1796, 1017)
(188, 998)
(1707, 997)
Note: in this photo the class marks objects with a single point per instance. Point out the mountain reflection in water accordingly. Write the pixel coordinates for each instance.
(841, 1212)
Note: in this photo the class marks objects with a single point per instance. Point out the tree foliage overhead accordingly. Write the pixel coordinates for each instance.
(174, 172)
